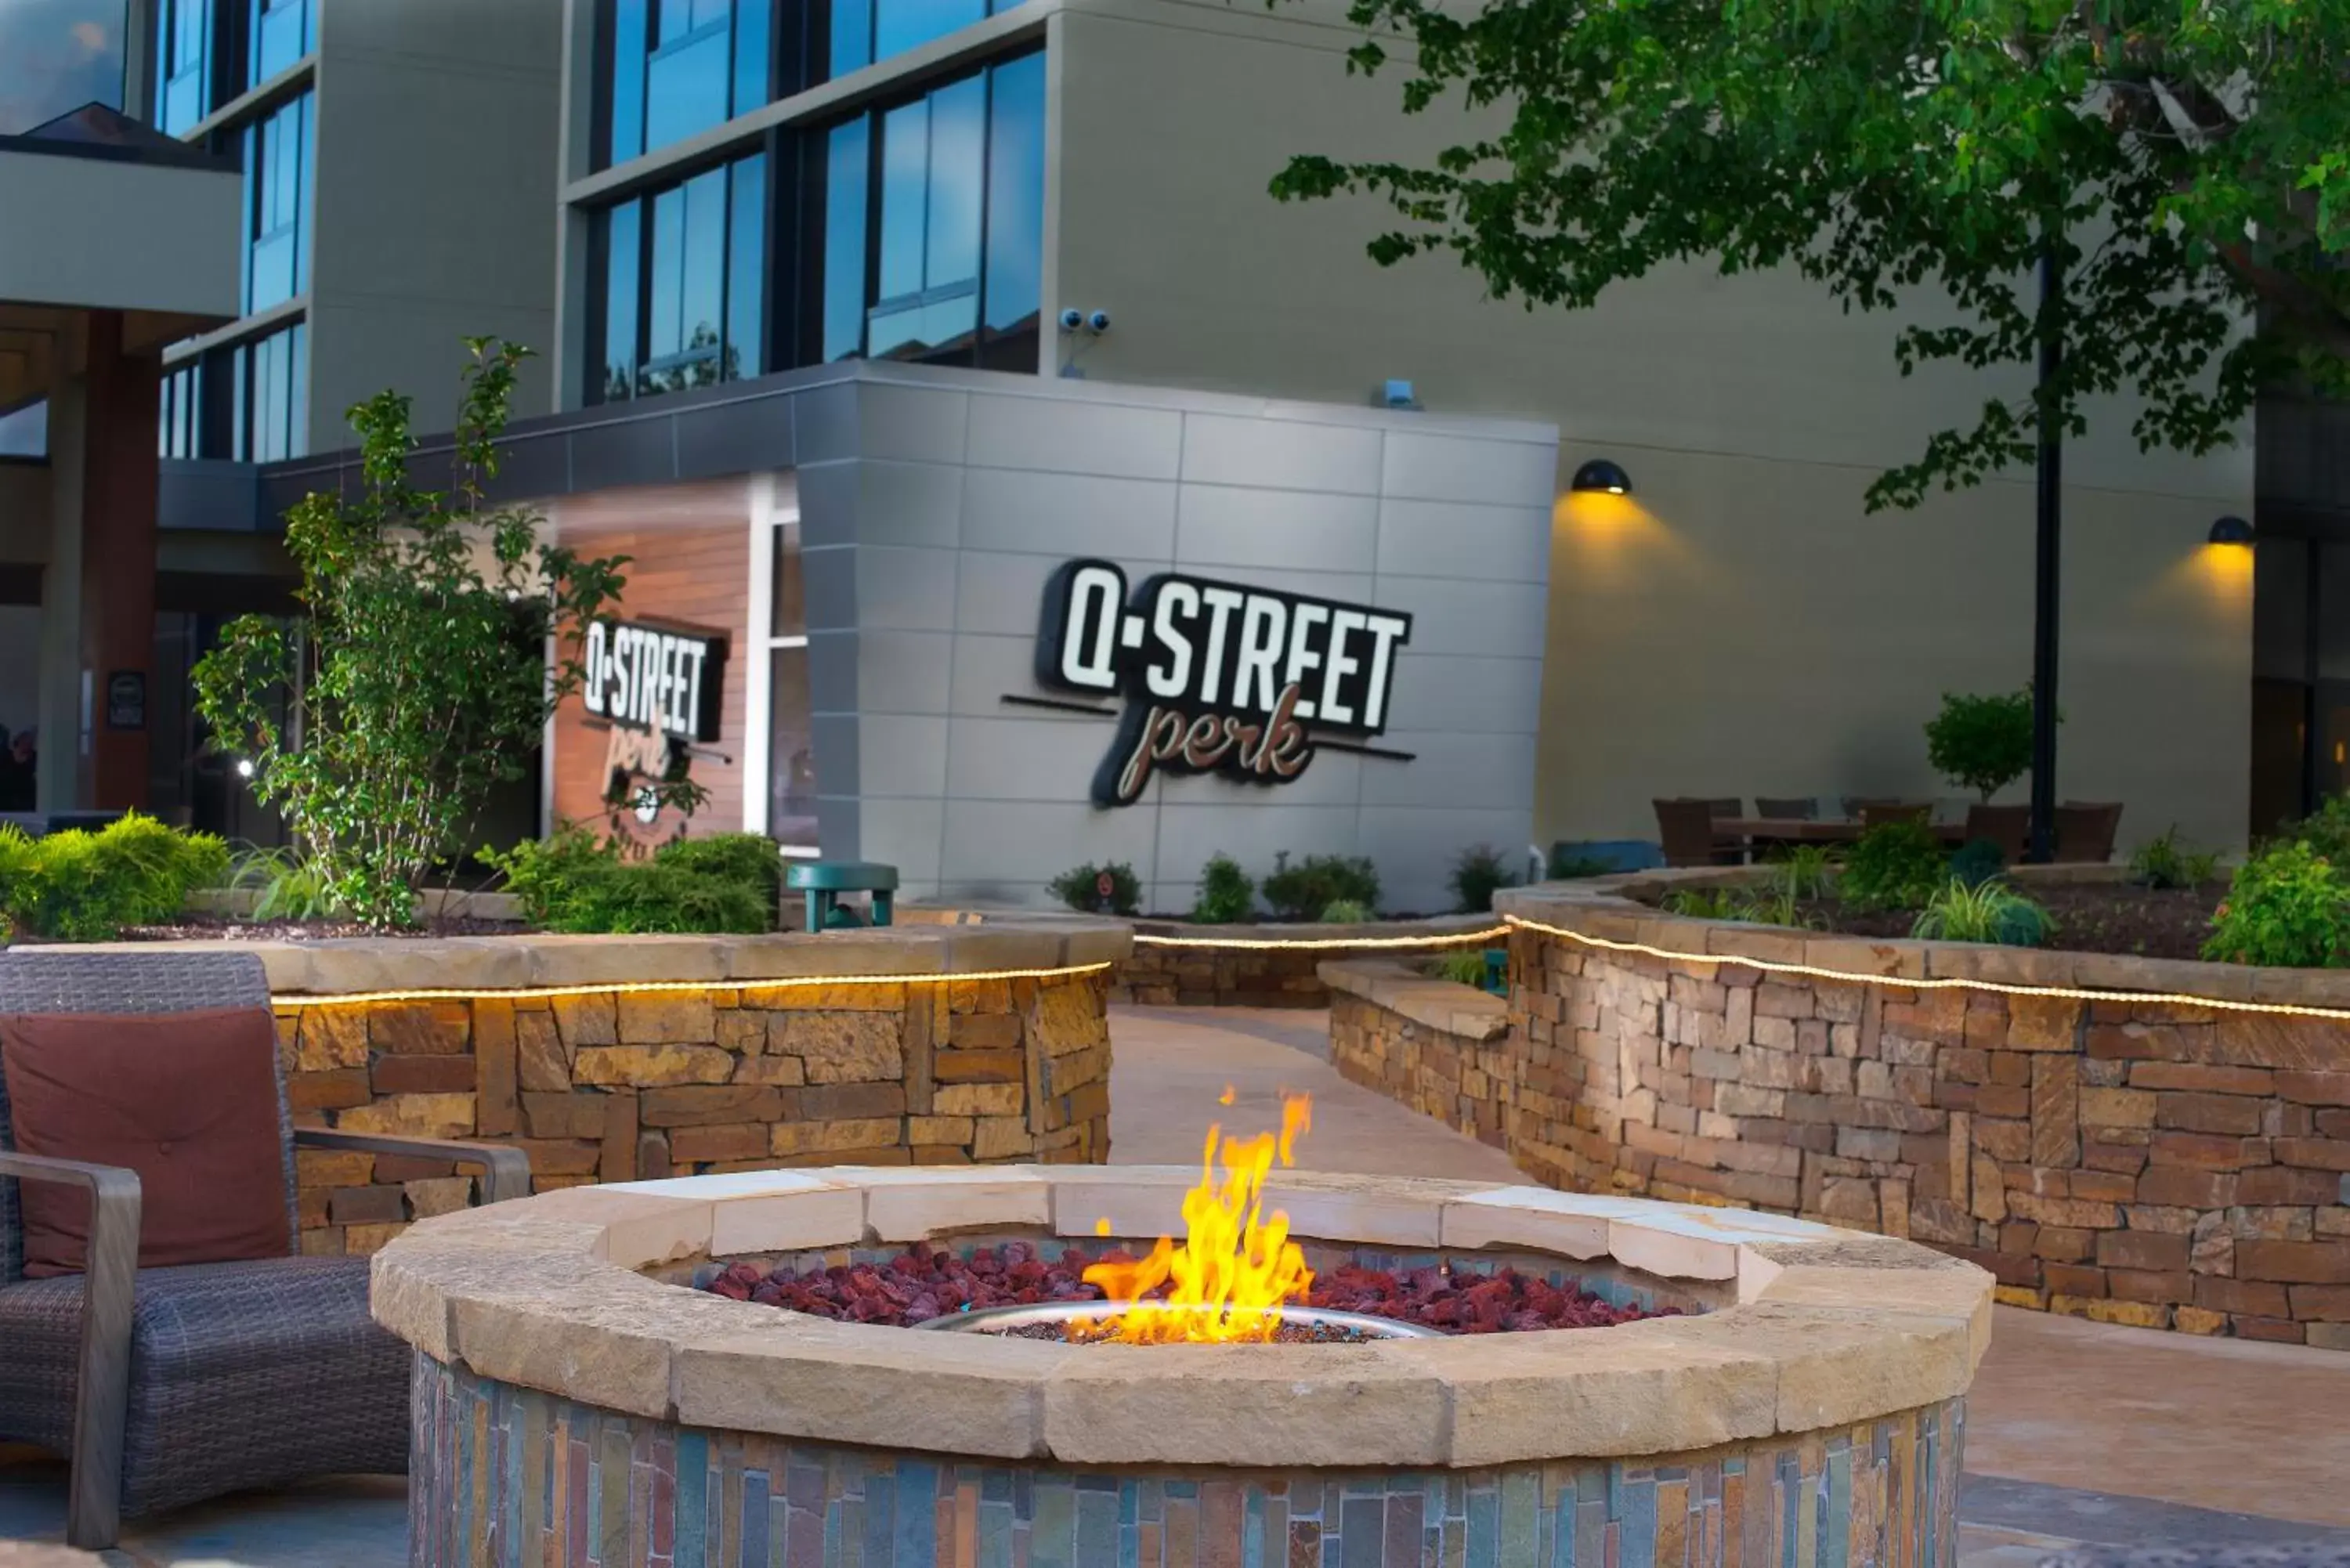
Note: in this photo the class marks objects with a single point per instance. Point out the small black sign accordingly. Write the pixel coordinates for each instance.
(655, 679)
(126, 699)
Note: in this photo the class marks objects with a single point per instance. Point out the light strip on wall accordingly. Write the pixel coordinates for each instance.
(1944, 983)
(1313, 944)
(530, 992)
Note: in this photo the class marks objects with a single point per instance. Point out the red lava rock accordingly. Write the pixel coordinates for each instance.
(922, 1282)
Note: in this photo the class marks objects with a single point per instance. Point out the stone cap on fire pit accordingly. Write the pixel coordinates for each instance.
(983, 942)
(1828, 1327)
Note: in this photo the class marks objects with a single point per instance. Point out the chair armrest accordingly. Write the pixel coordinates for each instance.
(505, 1171)
(109, 1279)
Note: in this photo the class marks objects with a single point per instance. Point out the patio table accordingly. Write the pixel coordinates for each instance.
(1814, 830)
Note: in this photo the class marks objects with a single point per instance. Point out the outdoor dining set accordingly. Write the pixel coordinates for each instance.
(1695, 831)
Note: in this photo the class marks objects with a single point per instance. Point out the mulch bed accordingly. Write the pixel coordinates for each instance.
(229, 928)
(921, 1283)
(2095, 917)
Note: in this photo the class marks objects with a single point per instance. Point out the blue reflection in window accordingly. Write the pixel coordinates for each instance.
(686, 82)
(865, 31)
(277, 180)
(683, 281)
(272, 403)
(847, 166)
(679, 67)
(178, 415)
(184, 30)
(1016, 195)
(282, 31)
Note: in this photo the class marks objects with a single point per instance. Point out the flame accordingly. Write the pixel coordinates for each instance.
(1237, 1264)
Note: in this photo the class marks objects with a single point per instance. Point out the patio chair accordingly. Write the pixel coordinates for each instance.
(2085, 832)
(168, 1385)
(2009, 826)
(1804, 808)
(1685, 827)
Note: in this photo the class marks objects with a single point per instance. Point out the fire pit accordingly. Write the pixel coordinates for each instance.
(1094, 1323)
(577, 1400)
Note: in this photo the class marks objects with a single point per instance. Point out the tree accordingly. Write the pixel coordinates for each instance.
(2183, 165)
(415, 679)
(1982, 744)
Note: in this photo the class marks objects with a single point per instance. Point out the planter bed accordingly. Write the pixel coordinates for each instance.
(1178, 963)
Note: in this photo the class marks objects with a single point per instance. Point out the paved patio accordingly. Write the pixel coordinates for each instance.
(2076, 1433)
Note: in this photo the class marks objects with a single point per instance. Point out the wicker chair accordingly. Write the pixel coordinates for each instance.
(2085, 832)
(170, 1386)
(2009, 826)
(1793, 808)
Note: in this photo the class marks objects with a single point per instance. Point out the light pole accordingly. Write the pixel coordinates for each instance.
(2048, 549)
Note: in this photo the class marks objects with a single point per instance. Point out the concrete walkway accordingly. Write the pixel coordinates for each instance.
(2075, 1432)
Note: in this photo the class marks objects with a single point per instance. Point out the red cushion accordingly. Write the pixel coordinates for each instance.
(188, 1100)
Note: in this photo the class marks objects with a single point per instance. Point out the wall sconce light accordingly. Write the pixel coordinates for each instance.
(2232, 530)
(1601, 475)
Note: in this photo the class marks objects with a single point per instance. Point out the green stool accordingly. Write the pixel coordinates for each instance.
(821, 882)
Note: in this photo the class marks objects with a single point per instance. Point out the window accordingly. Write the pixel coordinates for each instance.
(933, 217)
(677, 67)
(791, 703)
(184, 38)
(179, 417)
(684, 284)
(24, 430)
(865, 31)
(281, 32)
(270, 408)
(277, 163)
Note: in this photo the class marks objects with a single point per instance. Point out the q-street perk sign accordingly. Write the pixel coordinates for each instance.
(1217, 677)
(659, 690)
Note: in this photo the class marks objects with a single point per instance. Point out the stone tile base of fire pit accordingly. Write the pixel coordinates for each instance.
(535, 1474)
(573, 1406)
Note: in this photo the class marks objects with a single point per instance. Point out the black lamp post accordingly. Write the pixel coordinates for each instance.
(2048, 555)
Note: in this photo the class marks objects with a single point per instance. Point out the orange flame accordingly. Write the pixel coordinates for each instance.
(1237, 1264)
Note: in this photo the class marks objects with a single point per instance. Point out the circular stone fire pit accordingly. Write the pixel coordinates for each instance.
(576, 1399)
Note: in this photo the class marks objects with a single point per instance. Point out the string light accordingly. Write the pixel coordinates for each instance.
(536, 992)
(1250, 944)
(1941, 982)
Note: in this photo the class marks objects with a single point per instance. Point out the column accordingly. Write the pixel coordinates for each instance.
(117, 632)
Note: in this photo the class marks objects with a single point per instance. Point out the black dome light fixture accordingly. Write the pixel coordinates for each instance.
(1602, 476)
(2232, 530)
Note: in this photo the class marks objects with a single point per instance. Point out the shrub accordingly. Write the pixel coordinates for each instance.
(2168, 862)
(573, 882)
(1080, 888)
(285, 883)
(1989, 911)
(1227, 893)
(1566, 868)
(1977, 862)
(2289, 906)
(79, 886)
(750, 859)
(2326, 830)
(1704, 904)
(1893, 866)
(1466, 967)
(1983, 743)
(1477, 876)
(1345, 912)
(1301, 892)
(1803, 871)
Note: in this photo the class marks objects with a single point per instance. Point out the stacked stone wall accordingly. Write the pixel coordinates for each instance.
(1237, 972)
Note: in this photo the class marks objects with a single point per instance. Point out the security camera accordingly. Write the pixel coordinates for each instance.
(1072, 318)
(1098, 321)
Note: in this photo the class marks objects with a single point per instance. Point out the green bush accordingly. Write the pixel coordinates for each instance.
(1705, 904)
(1466, 967)
(1079, 888)
(573, 882)
(79, 886)
(1982, 744)
(1227, 893)
(1803, 871)
(2289, 906)
(2326, 830)
(1346, 912)
(1301, 892)
(1566, 868)
(285, 883)
(752, 858)
(1989, 911)
(1477, 876)
(1977, 862)
(2168, 862)
(1895, 866)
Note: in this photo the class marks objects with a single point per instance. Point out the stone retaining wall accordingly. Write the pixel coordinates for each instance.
(1442, 1048)
(2152, 1163)
(1236, 974)
(616, 1084)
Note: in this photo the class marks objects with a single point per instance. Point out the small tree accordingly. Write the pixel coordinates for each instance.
(1982, 744)
(415, 679)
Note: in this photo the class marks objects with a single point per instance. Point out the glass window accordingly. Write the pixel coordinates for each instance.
(180, 415)
(957, 182)
(865, 31)
(684, 280)
(24, 431)
(791, 595)
(282, 31)
(276, 183)
(679, 67)
(272, 419)
(184, 31)
(791, 748)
